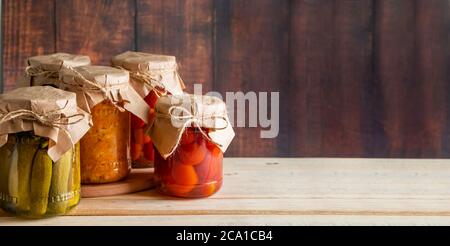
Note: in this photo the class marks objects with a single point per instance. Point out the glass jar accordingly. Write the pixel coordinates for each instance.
(31, 184)
(142, 151)
(195, 168)
(105, 149)
(150, 75)
(44, 69)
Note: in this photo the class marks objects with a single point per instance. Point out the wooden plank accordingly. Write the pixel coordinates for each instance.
(316, 187)
(433, 78)
(28, 30)
(411, 69)
(394, 78)
(235, 220)
(1, 47)
(331, 51)
(100, 29)
(251, 55)
(139, 179)
(183, 28)
(302, 187)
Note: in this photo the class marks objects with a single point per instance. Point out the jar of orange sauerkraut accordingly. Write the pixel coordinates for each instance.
(105, 148)
(105, 92)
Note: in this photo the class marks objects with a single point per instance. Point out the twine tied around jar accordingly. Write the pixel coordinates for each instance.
(154, 78)
(88, 85)
(190, 119)
(33, 71)
(53, 118)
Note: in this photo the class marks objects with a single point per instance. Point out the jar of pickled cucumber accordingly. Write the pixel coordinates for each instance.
(151, 76)
(190, 133)
(44, 69)
(105, 93)
(39, 153)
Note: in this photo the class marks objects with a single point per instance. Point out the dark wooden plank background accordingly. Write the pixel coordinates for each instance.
(366, 78)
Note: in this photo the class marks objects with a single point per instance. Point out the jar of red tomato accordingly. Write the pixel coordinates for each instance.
(151, 76)
(190, 133)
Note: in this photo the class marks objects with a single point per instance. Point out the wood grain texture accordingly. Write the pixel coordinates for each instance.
(411, 70)
(318, 189)
(139, 179)
(357, 78)
(183, 28)
(394, 77)
(433, 75)
(236, 220)
(331, 51)
(251, 55)
(28, 30)
(98, 28)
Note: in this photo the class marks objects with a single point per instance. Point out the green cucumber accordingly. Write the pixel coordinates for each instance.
(59, 188)
(6, 158)
(75, 177)
(41, 178)
(27, 147)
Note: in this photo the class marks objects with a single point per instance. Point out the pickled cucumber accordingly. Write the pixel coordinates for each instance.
(41, 178)
(6, 154)
(13, 180)
(75, 177)
(58, 202)
(27, 147)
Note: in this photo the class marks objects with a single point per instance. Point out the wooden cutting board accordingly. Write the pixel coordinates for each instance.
(137, 180)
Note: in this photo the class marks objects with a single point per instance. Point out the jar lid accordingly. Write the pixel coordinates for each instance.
(142, 62)
(101, 75)
(54, 62)
(44, 69)
(94, 84)
(148, 71)
(175, 113)
(48, 112)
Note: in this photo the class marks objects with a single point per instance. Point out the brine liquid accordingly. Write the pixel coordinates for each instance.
(142, 152)
(194, 170)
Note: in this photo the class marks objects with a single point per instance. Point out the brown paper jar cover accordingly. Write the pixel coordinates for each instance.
(175, 113)
(151, 76)
(148, 71)
(95, 84)
(48, 112)
(44, 69)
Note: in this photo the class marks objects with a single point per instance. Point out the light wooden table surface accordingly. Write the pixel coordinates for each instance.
(278, 191)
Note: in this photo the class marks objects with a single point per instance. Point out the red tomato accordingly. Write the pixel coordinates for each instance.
(151, 99)
(138, 136)
(208, 190)
(149, 152)
(136, 151)
(185, 179)
(184, 175)
(188, 137)
(203, 169)
(180, 190)
(216, 169)
(191, 154)
(147, 139)
(136, 122)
